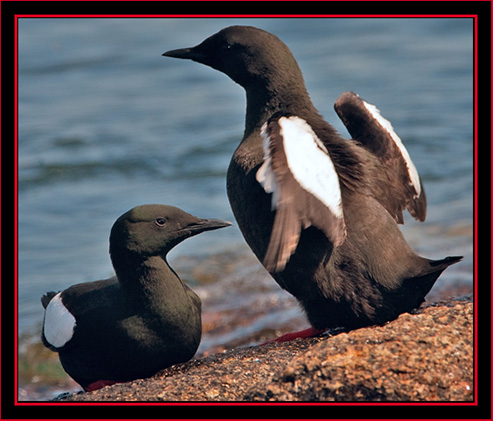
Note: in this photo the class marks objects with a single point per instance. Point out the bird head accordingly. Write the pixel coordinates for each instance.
(246, 54)
(153, 230)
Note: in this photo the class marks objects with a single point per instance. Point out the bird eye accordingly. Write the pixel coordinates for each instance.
(227, 48)
(161, 222)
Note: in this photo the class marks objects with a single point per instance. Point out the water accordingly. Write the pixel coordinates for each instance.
(106, 123)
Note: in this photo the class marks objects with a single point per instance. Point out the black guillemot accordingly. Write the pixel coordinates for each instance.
(140, 321)
(320, 211)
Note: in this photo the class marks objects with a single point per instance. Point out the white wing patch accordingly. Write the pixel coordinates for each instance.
(310, 163)
(413, 172)
(59, 323)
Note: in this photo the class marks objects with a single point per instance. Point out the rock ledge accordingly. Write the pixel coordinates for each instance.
(425, 356)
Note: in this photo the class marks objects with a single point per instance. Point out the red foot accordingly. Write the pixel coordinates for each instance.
(98, 385)
(302, 334)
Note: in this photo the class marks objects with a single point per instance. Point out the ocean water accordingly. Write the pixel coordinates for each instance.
(106, 123)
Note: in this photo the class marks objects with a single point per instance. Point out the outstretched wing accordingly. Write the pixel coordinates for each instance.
(398, 185)
(299, 173)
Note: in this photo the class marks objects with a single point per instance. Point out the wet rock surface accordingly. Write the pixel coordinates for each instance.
(425, 356)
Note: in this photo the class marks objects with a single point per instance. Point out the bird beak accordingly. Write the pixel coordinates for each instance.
(194, 227)
(205, 225)
(186, 53)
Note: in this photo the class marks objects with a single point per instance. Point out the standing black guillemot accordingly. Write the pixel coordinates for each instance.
(318, 210)
(139, 322)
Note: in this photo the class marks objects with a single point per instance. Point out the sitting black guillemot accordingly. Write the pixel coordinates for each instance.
(320, 211)
(140, 321)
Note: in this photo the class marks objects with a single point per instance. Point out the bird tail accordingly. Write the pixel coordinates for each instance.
(443, 264)
(421, 284)
(45, 299)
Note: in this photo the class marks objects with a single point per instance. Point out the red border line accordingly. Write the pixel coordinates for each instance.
(245, 16)
(475, 128)
(16, 213)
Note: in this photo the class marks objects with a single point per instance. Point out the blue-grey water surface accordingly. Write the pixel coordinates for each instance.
(106, 123)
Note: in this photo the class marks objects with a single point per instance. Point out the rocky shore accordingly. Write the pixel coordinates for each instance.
(424, 356)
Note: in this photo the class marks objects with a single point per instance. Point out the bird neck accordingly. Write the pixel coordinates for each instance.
(267, 98)
(149, 281)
